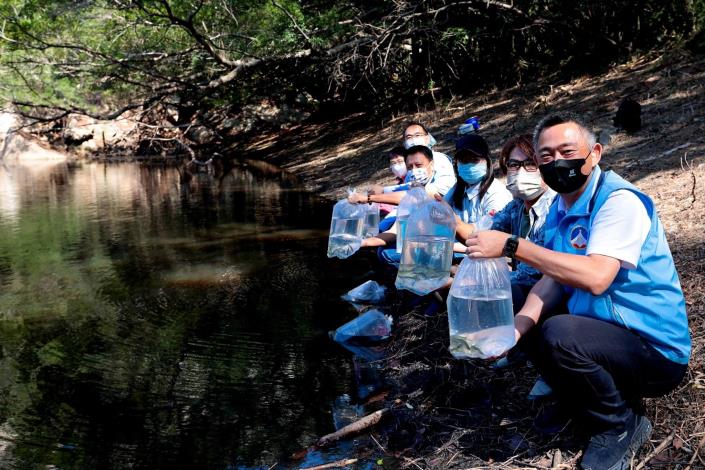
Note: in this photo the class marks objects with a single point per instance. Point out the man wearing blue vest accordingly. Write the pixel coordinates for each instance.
(606, 257)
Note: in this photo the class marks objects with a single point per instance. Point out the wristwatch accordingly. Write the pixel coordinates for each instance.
(510, 247)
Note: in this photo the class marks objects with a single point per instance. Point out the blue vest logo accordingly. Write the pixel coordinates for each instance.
(578, 237)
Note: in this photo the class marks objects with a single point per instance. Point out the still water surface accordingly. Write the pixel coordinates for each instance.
(150, 323)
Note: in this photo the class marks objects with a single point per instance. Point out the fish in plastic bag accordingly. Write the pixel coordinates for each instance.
(347, 227)
(480, 313)
(370, 327)
(427, 253)
(368, 292)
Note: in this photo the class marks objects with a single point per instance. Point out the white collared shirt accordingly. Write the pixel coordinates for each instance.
(496, 197)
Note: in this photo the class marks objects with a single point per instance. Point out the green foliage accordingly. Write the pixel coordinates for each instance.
(100, 54)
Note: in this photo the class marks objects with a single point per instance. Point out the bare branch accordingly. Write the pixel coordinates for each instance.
(293, 21)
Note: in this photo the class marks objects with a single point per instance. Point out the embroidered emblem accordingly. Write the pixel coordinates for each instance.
(578, 237)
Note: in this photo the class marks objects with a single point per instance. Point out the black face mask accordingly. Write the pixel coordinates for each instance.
(564, 176)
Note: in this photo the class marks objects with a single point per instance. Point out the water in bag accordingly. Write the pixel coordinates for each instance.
(425, 264)
(480, 314)
(371, 220)
(427, 253)
(480, 327)
(367, 292)
(346, 229)
(413, 197)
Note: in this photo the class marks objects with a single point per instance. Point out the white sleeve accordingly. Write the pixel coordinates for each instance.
(445, 175)
(496, 198)
(620, 228)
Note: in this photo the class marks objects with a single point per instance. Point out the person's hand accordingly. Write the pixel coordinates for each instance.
(517, 336)
(486, 244)
(459, 248)
(357, 198)
(438, 198)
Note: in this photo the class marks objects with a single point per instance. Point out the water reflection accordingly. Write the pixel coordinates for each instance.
(151, 320)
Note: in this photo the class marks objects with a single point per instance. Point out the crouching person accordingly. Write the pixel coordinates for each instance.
(626, 334)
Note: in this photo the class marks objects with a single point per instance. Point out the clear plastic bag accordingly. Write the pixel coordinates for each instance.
(347, 227)
(371, 220)
(370, 327)
(427, 253)
(480, 314)
(408, 203)
(368, 292)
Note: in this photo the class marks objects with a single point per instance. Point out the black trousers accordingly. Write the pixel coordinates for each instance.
(598, 369)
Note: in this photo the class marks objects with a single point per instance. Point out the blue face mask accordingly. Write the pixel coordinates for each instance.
(472, 173)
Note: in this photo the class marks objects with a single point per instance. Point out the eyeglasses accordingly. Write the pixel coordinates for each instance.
(529, 165)
(415, 136)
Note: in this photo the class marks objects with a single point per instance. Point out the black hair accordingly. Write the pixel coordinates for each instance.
(399, 150)
(419, 149)
(461, 185)
(414, 123)
(555, 119)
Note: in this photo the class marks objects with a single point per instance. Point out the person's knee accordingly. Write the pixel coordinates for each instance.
(389, 256)
(559, 328)
(560, 337)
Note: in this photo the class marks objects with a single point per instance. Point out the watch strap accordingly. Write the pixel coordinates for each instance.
(511, 246)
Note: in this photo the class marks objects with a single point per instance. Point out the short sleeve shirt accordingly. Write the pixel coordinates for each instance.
(619, 229)
(495, 199)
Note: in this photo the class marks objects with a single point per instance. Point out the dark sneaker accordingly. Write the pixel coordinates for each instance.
(515, 356)
(541, 389)
(613, 449)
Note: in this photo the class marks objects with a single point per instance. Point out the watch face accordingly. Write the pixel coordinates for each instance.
(510, 247)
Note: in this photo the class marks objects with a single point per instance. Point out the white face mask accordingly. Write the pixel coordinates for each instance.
(420, 175)
(422, 140)
(525, 185)
(399, 170)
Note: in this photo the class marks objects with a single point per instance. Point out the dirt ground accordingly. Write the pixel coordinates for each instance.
(463, 415)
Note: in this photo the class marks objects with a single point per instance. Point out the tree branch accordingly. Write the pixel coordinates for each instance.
(294, 22)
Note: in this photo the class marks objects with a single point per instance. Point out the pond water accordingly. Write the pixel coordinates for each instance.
(152, 321)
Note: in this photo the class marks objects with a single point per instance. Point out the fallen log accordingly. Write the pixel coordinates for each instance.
(352, 428)
(336, 464)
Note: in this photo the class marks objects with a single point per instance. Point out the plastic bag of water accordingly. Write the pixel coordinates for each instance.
(480, 315)
(371, 220)
(371, 326)
(367, 292)
(413, 197)
(428, 248)
(347, 227)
